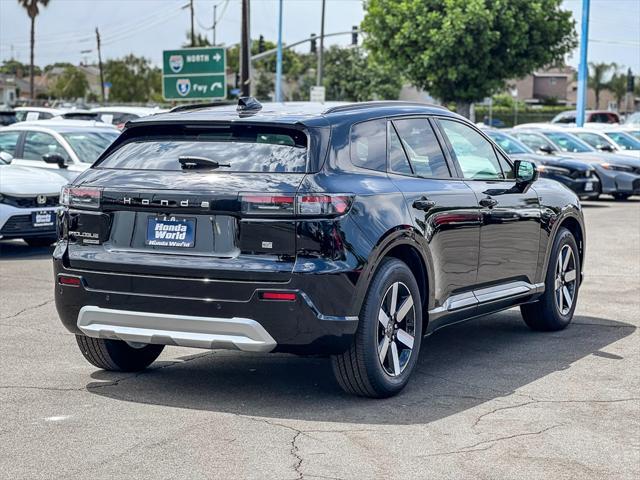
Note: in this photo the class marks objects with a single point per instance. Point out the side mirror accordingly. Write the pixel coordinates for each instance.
(526, 172)
(605, 148)
(55, 158)
(6, 157)
(546, 149)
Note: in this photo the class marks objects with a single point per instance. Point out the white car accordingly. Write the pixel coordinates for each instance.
(609, 140)
(29, 200)
(118, 116)
(30, 114)
(67, 146)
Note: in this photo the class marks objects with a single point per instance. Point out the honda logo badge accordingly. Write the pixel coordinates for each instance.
(41, 199)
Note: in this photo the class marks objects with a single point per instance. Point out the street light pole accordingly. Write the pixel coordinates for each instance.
(193, 36)
(321, 51)
(100, 64)
(583, 69)
(279, 57)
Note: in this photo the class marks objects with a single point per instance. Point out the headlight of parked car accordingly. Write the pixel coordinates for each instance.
(618, 168)
(553, 170)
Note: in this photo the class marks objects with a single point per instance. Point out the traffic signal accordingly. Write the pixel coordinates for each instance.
(313, 43)
(261, 44)
(354, 35)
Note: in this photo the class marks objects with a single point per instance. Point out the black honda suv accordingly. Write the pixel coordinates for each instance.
(349, 230)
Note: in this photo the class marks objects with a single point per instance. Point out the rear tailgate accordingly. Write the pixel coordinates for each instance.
(157, 216)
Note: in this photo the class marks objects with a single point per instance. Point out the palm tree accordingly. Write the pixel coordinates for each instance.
(618, 86)
(597, 79)
(32, 8)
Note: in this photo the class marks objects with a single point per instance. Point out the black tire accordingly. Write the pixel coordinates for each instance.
(116, 355)
(621, 196)
(359, 370)
(40, 241)
(546, 314)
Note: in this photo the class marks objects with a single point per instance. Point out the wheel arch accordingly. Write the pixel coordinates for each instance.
(574, 223)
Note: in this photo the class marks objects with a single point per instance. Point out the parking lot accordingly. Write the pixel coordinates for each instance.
(490, 399)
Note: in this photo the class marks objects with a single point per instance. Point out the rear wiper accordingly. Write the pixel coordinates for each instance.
(189, 162)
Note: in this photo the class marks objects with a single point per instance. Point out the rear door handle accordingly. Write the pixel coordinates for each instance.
(424, 204)
(488, 202)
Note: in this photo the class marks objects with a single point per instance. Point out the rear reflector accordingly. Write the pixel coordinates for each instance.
(69, 281)
(285, 296)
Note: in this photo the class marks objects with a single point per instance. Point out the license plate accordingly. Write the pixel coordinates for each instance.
(588, 187)
(43, 219)
(171, 232)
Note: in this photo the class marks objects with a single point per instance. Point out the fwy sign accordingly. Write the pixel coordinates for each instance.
(194, 73)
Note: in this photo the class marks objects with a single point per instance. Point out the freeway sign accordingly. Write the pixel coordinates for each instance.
(194, 73)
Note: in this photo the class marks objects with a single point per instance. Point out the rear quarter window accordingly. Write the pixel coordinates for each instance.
(235, 149)
(369, 145)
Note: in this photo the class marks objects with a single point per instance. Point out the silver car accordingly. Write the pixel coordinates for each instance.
(619, 175)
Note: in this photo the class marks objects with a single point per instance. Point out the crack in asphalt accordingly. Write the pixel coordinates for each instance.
(26, 309)
(492, 442)
(536, 401)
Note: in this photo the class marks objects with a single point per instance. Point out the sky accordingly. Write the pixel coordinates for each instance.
(65, 30)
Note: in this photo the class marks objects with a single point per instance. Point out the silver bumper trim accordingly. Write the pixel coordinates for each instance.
(180, 330)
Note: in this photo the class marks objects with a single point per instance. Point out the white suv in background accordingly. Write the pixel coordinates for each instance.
(29, 199)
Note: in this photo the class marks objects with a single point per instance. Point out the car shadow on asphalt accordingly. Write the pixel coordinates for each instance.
(459, 367)
(18, 250)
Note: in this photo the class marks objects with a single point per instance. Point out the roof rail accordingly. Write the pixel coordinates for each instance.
(379, 103)
(194, 106)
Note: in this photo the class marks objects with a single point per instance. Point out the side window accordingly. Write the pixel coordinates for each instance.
(369, 145)
(37, 144)
(534, 141)
(398, 162)
(474, 153)
(9, 142)
(507, 169)
(422, 147)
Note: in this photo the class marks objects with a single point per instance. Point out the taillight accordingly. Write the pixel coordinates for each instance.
(69, 281)
(303, 205)
(267, 204)
(323, 205)
(81, 197)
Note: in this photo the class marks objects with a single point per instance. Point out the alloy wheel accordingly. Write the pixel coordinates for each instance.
(565, 280)
(396, 329)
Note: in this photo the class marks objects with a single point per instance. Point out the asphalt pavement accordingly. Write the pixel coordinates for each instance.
(490, 399)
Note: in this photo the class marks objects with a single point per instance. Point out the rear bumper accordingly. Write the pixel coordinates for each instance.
(619, 182)
(206, 313)
(180, 330)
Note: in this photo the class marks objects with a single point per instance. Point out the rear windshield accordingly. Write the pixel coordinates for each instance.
(233, 149)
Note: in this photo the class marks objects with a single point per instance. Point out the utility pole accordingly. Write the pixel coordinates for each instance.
(279, 57)
(321, 52)
(215, 21)
(193, 36)
(583, 69)
(245, 52)
(100, 64)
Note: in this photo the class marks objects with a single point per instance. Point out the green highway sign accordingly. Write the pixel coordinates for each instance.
(194, 73)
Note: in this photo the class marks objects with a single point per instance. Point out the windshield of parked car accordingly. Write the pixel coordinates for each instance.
(235, 149)
(89, 145)
(566, 117)
(568, 143)
(624, 141)
(594, 139)
(534, 141)
(634, 133)
(509, 144)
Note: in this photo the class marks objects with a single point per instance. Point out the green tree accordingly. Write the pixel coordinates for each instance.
(14, 67)
(133, 79)
(201, 40)
(464, 50)
(33, 9)
(598, 78)
(351, 75)
(71, 84)
(618, 86)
